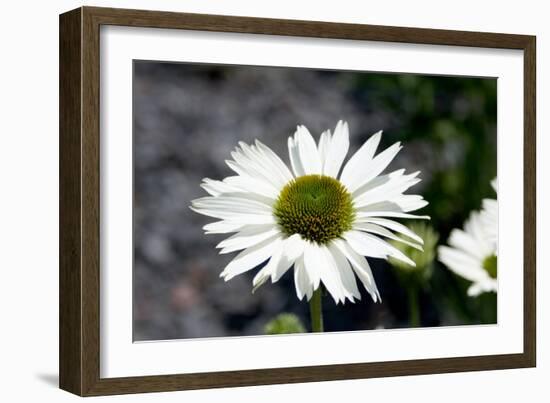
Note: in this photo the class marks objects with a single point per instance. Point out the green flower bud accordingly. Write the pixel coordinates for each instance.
(422, 272)
(284, 323)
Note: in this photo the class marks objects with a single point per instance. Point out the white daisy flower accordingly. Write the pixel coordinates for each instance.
(472, 255)
(314, 218)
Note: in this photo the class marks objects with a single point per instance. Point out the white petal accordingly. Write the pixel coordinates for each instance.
(384, 209)
(393, 214)
(324, 143)
(474, 238)
(216, 188)
(364, 246)
(370, 245)
(312, 261)
(474, 226)
(345, 272)
(232, 203)
(337, 150)
(395, 226)
(224, 227)
(257, 165)
(285, 255)
(247, 184)
(245, 219)
(247, 237)
(462, 264)
(309, 155)
(295, 160)
(264, 160)
(491, 285)
(250, 162)
(251, 257)
(235, 213)
(489, 218)
(293, 248)
(379, 230)
(484, 286)
(276, 161)
(318, 263)
(472, 246)
(371, 170)
(263, 275)
(409, 202)
(253, 197)
(360, 266)
(267, 182)
(475, 289)
(361, 158)
(248, 171)
(378, 181)
(393, 188)
(302, 282)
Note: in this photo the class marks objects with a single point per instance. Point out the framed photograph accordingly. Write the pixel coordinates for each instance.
(249, 201)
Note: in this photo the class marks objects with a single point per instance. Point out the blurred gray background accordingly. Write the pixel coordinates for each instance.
(187, 120)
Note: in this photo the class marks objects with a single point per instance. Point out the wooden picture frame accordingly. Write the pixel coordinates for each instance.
(80, 186)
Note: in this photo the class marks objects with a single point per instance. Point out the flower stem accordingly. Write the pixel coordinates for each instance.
(414, 309)
(316, 310)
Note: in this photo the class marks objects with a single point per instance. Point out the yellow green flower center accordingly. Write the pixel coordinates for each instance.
(317, 207)
(490, 265)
